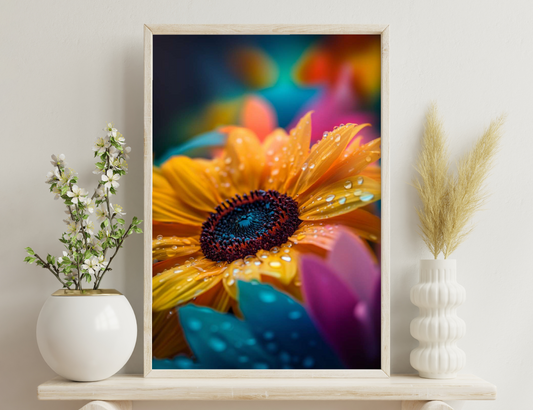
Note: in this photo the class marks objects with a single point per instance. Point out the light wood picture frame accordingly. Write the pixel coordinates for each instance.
(183, 30)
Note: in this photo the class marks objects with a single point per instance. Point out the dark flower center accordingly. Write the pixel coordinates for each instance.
(241, 226)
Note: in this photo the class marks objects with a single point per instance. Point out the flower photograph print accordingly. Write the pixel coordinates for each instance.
(266, 202)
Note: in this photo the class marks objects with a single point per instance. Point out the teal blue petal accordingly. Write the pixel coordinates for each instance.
(198, 146)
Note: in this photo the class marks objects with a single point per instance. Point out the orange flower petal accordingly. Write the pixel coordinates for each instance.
(373, 172)
(340, 197)
(174, 262)
(352, 163)
(187, 178)
(168, 208)
(242, 161)
(277, 161)
(323, 154)
(170, 247)
(168, 339)
(361, 222)
(240, 269)
(179, 285)
(174, 229)
(297, 150)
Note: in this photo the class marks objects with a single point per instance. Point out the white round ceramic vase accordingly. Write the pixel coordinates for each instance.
(86, 336)
(437, 327)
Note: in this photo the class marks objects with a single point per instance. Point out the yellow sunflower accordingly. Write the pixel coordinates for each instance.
(250, 213)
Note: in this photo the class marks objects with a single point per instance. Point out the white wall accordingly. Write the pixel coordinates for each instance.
(67, 67)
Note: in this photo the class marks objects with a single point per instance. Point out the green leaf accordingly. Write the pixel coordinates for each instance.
(30, 251)
(121, 221)
(100, 165)
(29, 259)
(69, 283)
(88, 278)
(130, 231)
(138, 230)
(112, 190)
(39, 263)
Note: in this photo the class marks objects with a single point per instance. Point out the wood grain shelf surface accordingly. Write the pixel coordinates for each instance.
(397, 387)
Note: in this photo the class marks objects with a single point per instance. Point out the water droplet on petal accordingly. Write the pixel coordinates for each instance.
(218, 345)
(267, 297)
(338, 138)
(348, 184)
(268, 335)
(228, 160)
(357, 192)
(325, 135)
(366, 197)
(286, 258)
(311, 166)
(295, 314)
(275, 264)
(159, 237)
(194, 324)
(308, 362)
(369, 159)
(304, 167)
(330, 198)
(275, 249)
(342, 201)
(231, 282)
(360, 181)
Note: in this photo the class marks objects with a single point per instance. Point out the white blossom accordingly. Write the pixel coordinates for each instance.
(91, 265)
(58, 161)
(90, 205)
(56, 191)
(120, 139)
(66, 176)
(101, 260)
(53, 176)
(100, 194)
(89, 228)
(110, 179)
(101, 145)
(77, 194)
(119, 211)
(114, 152)
(119, 163)
(72, 227)
(95, 243)
(111, 132)
(101, 214)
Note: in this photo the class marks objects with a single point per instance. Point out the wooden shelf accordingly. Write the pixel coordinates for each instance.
(397, 387)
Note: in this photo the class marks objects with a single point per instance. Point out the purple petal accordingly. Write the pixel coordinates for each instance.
(331, 305)
(352, 261)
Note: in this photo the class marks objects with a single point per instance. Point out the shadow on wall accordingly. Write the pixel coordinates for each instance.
(133, 128)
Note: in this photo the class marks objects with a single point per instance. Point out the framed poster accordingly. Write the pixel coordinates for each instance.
(266, 201)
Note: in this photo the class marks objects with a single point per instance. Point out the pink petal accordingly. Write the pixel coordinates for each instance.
(331, 304)
(352, 261)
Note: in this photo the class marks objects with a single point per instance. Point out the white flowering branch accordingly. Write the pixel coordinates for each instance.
(86, 250)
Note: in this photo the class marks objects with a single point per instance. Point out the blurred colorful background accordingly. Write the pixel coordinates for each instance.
(203, 83)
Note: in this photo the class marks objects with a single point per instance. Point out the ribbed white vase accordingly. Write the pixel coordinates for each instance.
(437, 327)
